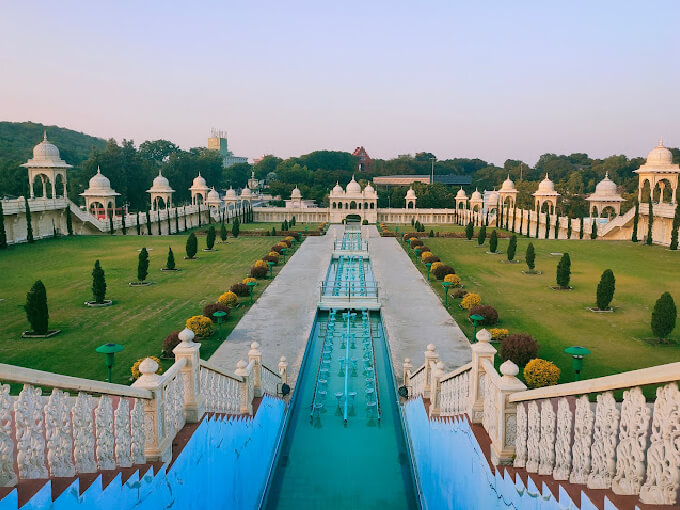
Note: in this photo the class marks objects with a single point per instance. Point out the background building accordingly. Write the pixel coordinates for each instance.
(218, 142)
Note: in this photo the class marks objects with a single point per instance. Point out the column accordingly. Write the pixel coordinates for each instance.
(188, 350)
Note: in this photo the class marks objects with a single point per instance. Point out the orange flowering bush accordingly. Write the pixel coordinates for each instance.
(247, 280)
(539, 372)
(200, 325)
(136, 374)
(470, 300)
(426, 254)
(453, 279)
(228, 298)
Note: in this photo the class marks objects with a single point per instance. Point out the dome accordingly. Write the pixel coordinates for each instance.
(99, 182)
(199, 182)
(476, 195)
(296, 193)
(369, 190)
(213, 196)
(493, 197)
(410, 194)
(461, 194)
(245, 192)
(606, 186)
(161, 182)
(546, 185)
(353, 186)
(45, 151)
(230, 194)
(337, 189)
(659, 155)
(508, 184)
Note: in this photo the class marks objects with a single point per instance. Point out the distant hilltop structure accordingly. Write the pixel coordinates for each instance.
(218, 142)
(365, 161)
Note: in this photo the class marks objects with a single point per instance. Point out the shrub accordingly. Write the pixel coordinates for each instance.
(276, 248)
(223, 232)
(98, 283)
(512, 247)
(247, 280)
(271, 258)
(143, 265)
(530, 257)
(200, 325)
(229, 298)
(423, 249)
(425, 254)
(431, 259)
(171, 341)
(493, 242)
(210, 238)
(469, 231)
(664, 316)
(136, 374)
(235, 228)
(289, 239)
(498, 334)
(435, 266)
(605, 289)
(259, 272)
(453, 279)
(481, 236)
(210, 309)
(283, 244)
(170, 264)
(470, 300)
(240, 289)
(459, 293)
(260, 263)
(273, 254)
(519, 348)
(36, 308)
(431, 233)
(191, 246)
(487, 311)
(415, 243)
(539, 373)
(564, 271)
(364, 222)
(442, 270)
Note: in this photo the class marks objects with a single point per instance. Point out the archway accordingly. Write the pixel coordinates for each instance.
(608, 212)
(97, 210)
(410, 205)
(352, 205)
(42, 188)
(645, 193)
(352, 218)
(60, 186)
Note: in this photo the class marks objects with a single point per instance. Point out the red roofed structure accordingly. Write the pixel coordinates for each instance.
(365, 161)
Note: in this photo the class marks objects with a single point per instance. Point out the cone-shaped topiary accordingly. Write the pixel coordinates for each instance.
(223, 232)
(580, 233)
(29, 226)
(605, 289)
(674, 231)
(123, 227)
(98, 283)
(111, 223)
(210, 238)
(69, 222)
(636, 219)
(148, 222)
(547, 225)
(143, 265)
(469, 231)
(235, 227)
(176, 219)
(593, 229)
(569, 220)
(493, 242)
(650, 222)
(191, 246)
(481, 236)
(170, 264)
(564, 271)
(530, 257)
(36, 308)
(139, 223)
(512, 247)
(3, 234)
(664, 316)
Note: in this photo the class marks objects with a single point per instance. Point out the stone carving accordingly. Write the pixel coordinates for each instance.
(630, 453)
(490, 413)
(103, 417)
(583, 436)
(521, 440)
(547, 441)
(563, 441)
(28, 416)
(663, 456)
(83, 434)
(137, 440)
(533, 436)
(8, 476)
(122, 434)
(417, 382)
(603, 449)
(59, 435)
(510, 430)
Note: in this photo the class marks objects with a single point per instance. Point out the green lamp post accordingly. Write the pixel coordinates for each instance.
(294, 241)
(305, 229)
(396, 230)
(251, 285)
(446, 286)
(577, 353)
(109, 350)
(428, 265)
(417, 251)
(219, 315)
(476, 319)
(271, 269)
(283, 252)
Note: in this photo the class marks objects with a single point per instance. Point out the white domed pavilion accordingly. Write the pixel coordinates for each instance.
(199, 190)
(410, 199)
(508, 193)
(476, 200)
(230, 199)
(461, 199)
(213, 200)
(658, 176)
(100, 197)
(546, 194)
(353, 200)
(161, 193)
(47, 165)
(605, 199)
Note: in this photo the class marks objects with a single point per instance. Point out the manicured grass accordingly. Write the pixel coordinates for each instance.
(140, 318)
(558, 319)
(267, 227)
(448, 227)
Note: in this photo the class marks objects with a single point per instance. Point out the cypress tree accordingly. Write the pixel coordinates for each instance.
(636, 218)
(538, 221)
(111, 223)
(98, 283)
(512, 248)
(123, 227)
(223, 232)
(176, 219)
(210, 238)
(3, 234)
(169, 223)
(158, 218)
(142, 265)
(557, 224)
(507, 218)
(593, 229)
(199, 213)
(493, 242)
(191, 246)
(469, 230)
(170, 264)
(29, 225)
(650, 222)
(185, 217)
(674, 231)
(273, 231)
(148, 222)
(569, 220)
(69, 222)
(664, 316)
(235, 228)
(580, 234)
(36, 309)
(605, 289)
(547, 225)
(564, 271)
(521, 221)
(139, 223)
(514, 218)
(530, 257)
(481, 236)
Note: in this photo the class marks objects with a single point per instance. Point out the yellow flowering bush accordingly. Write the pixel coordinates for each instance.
(282, 244)
(200, 325)
(539, 372)
(136, 374)
(470, 300)
(260, 263)
(228, 298)
(498, 334)
(435, 266)
(453, 279)
(274, 255)
(289, 238)
(247, 280)
(426, 254)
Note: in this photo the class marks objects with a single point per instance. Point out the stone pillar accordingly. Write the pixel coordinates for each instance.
(194, 405)
(283, 369)
(435, 393)
(407, 371)
(158, 446)
(254, 354)
(246, 403)
(480, 351)
(431, 359)
(503, 444)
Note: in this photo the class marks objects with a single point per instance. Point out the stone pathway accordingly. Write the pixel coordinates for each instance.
(281, 319)
(413, 314)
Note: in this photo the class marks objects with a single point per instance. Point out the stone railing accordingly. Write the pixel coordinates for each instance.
(86, 426)
(630, 447)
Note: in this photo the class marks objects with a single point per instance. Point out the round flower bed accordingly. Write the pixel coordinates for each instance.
(539, 373)
(258, 272)
(247, 280)
(431, 259)
(228, 298)
(425, 254)
(498, 334)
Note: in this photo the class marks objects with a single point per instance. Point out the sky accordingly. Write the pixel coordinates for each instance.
(487, 79)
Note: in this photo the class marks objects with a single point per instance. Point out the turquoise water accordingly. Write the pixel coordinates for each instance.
(350, 274)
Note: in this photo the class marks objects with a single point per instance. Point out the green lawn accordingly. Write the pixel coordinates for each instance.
(558, 319)
(140, 318)
(267, 227)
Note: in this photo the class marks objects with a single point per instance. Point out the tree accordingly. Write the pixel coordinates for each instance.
(29, 226)
(486, 221)
(493, 242)
(557, 225)
(176, 219)
(605, 289)
(210, 238)
(580, 233)
(69, 221)
(538, 221)
(169, 224)
(664, 316)
(123, 227)
(111, 223)
(36, 308)
(191, 246)
(170, 264)
(273, 231)
(469, 230)
(547, 225)
(521, 221)
(199, 213)
(223, 232)
(512, 247)
(185, 217)
(564, 271)
(139, 223)
(593, 228)
(530, 257)
(148, 222)
(514, 218)
(3, 234)
(507, 218)
(143, 265)
(235, 228)
(650, 222)
(98, 283)
(481, 236)
(674, 231)
(569, 221)
(158, 221)
(636, 218)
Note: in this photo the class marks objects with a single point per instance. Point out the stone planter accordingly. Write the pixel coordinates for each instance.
(165, 269)
(206, 249)
(140, 284)
(597, 310)
(50, 333)
(92, 304)
(532, 272)
(561, 288)
(191, 258)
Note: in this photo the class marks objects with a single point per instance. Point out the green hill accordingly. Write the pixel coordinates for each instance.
(17, 140)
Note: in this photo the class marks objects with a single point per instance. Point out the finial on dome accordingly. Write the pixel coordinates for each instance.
(546, 175)
(98, 169)
(159, 172)
(44, 135)
(661, 142)
(606, 174)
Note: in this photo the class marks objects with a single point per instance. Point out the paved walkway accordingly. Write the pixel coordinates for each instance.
(413, 314)
(281, 319)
